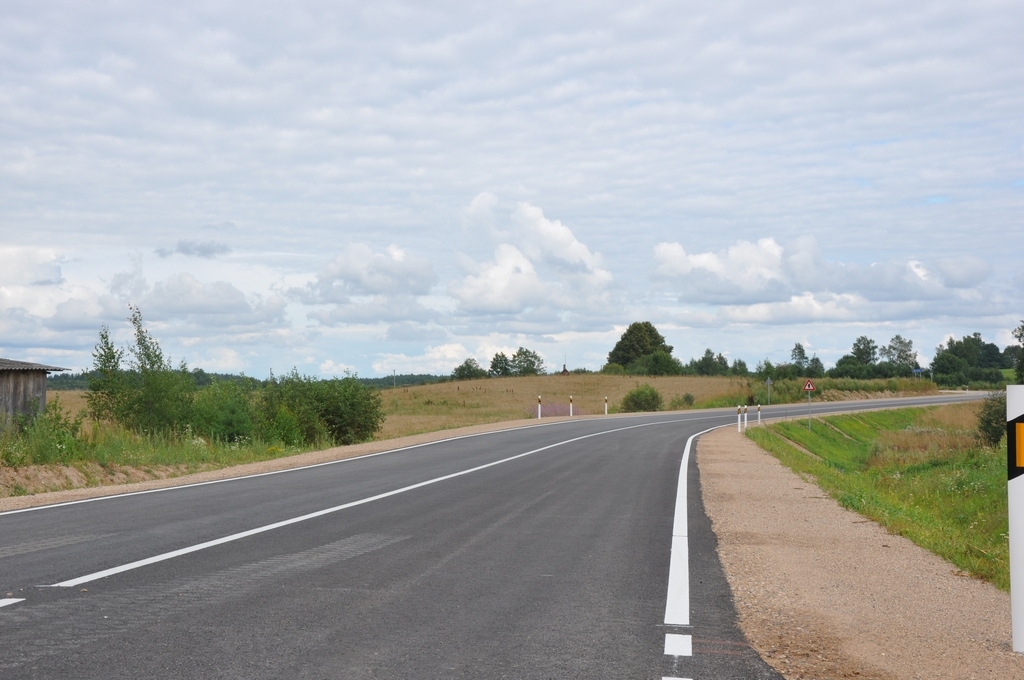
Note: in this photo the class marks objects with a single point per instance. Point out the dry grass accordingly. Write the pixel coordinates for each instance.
(939, 434)
(72, 400)
(425, 408)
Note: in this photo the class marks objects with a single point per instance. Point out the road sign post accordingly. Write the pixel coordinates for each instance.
(1015, 507)
(808, 388)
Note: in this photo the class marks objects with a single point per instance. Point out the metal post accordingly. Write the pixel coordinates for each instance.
(739, 423)
(538, 407)
(1015, 507)
(808, 411)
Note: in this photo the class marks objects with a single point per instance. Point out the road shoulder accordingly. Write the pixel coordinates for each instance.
(823, 593)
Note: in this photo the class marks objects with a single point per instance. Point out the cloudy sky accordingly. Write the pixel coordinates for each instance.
(399, 186)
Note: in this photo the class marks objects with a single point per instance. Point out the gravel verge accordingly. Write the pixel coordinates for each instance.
(824, 593)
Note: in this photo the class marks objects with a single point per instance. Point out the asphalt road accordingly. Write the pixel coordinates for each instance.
(553, 551)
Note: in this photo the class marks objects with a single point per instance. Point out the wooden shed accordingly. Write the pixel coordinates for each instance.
(22, 387)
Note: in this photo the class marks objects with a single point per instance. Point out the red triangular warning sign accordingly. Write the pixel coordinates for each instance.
(809, 387)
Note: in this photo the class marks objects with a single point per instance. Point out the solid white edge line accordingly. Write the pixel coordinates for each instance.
(705, 415)
(678, 645)
(11, 600)
(320, 513)
(677, 599)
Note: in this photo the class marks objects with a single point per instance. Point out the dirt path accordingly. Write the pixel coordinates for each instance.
(823, 593)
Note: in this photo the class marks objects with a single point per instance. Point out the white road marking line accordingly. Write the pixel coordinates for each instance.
(678, 645)
(11, 600)
(665, 677)
(677, 601)
(705, 416)
(320, 513)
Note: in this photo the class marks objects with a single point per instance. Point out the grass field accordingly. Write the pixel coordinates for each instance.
(920, 473)
(426, 408)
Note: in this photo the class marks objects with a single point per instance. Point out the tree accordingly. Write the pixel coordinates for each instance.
(815, 369)
(710, 364)
(640, 339)
(864, 351)
(900, 352)
(468, 370)
(658, 363)
(1018, 333)
(798, 356)
(739, 367)
(526, 362)
(501, 366)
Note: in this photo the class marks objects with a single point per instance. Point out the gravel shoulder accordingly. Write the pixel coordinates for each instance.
(824, 593)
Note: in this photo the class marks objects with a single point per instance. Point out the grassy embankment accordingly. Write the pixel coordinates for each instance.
(920, 473)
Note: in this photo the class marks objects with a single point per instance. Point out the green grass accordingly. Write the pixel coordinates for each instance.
(917, 472)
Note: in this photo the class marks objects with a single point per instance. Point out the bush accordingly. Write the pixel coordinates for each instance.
(641, 398)
(613, 369)
(223, 411)
(992, 419)
(678, 403)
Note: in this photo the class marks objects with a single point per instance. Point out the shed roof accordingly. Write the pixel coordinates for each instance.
(12, 365)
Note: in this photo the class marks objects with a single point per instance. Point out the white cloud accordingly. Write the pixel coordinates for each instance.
(360, 271)
(331, 368)
(21, 266)
(775, 283)
(438, 360)
(509, 284)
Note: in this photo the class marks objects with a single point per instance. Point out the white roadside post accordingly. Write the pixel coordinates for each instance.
(759, 415)
(1015, 498)
(739, 419)
(538, 407)
(606, 405)
(744, 417)
(570, 406)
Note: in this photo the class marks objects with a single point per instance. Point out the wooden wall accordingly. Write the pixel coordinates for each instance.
(18, 389)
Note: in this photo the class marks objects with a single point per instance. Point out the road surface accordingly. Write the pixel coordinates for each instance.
(566, 550)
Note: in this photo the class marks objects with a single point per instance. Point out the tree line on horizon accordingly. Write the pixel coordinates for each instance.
(643, 351)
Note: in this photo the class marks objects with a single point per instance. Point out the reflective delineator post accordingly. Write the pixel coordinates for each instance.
(606, 405)
(759, 415)
(744, 417)
(538, 407)
(1015, 498)
(739, 421)
(570, 406)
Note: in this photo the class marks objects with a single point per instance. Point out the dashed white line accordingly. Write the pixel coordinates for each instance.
(11, 600)
(678, 645)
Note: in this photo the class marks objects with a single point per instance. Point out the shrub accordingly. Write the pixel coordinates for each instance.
(613, 369)
(642, 398)
(992, 419)
(678, 403)
(223, 411)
